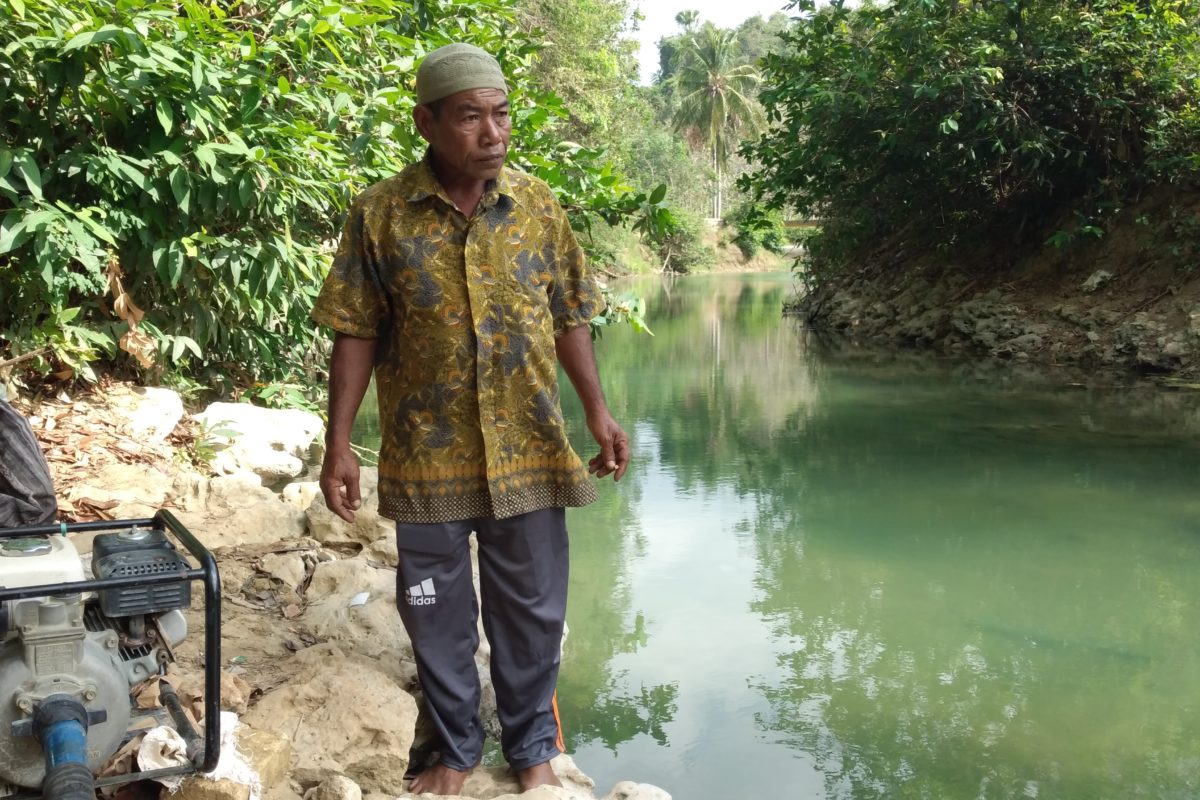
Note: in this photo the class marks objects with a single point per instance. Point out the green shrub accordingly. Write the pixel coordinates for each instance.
(757, 227)
(194, 162)
(684, 249)
(952, 121)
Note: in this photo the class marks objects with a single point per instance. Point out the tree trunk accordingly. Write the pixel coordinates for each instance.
(717, 193)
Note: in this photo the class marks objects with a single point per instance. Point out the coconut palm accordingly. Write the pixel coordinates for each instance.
(687, 19)
(716, 96)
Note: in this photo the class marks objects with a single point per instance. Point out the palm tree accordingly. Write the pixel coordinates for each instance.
(716, 96)
(687, 19)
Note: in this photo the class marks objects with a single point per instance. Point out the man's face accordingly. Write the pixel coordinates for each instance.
(469, 135)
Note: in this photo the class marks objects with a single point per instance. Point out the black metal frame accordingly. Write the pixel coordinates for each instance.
(164, 521)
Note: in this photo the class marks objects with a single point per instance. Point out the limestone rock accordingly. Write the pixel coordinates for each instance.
(499, 783)
(1097, 281)
(371, 627)
(627, 790)
(1176, 349)
(571, 775)
(288, 568)
(339, 709)
(237, 509)
(138, 490)
(368, 526)
(272, 443)
(301, 494)
(385, 777)
(335, 787)
(267, 754)
(150, 413)
(197, 787)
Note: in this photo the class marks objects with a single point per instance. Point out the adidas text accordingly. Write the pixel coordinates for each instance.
(421, 594)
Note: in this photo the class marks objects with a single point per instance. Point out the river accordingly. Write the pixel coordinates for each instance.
(833, 573)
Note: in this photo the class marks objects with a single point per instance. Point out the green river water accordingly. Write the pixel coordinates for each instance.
(837, 574)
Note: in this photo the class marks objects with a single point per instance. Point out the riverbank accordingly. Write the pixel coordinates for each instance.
(313, 651)
(1128, 300)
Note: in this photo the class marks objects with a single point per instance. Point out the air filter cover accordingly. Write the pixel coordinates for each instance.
(140, 552)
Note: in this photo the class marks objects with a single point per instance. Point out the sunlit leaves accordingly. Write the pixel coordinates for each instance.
(210, 152)
(955, 121)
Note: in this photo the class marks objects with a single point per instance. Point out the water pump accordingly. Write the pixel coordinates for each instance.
(72, 645)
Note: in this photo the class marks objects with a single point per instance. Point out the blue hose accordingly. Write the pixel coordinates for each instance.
(64, 743)
(62, 729)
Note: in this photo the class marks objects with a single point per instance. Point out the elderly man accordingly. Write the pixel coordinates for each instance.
(460, 282)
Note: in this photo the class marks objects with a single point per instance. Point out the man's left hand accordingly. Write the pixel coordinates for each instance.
(613, 457)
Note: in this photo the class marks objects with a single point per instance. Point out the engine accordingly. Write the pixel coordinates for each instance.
(68, 661)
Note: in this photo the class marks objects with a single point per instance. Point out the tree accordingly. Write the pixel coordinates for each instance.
(966, 123)
(716, 97)
(759, 35)
(687, 19)
(587, 59)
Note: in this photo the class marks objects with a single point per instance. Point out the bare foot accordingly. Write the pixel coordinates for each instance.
(540, 775)
(438, 779)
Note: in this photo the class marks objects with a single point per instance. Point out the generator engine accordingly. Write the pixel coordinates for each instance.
(69, 660)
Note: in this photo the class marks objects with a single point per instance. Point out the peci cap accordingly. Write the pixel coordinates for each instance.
(457, 68)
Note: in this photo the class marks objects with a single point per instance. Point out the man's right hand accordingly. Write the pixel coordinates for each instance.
(339, 483)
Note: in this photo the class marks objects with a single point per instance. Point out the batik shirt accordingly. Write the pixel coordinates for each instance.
(466, 312)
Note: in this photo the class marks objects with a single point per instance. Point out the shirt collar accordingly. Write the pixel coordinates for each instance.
(424, 184)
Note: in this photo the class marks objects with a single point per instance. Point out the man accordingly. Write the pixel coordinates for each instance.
(460, 282)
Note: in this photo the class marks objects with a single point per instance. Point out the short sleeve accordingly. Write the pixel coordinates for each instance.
(352, 300)
(575, 296)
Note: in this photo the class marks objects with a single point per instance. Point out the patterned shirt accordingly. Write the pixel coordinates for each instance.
(466, 312)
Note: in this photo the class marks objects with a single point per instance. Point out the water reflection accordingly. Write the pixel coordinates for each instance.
(834, 573)
(847, 576)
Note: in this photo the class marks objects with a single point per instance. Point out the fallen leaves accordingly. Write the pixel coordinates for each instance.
(81, 435)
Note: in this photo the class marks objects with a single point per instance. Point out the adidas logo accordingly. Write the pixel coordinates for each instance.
(422, 594)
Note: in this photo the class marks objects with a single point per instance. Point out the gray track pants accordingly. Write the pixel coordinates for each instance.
(523, 584)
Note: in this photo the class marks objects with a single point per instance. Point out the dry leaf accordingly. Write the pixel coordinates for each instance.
(147, 693)
(138, 345)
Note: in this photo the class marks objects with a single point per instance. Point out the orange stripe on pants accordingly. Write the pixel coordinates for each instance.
(558, 742)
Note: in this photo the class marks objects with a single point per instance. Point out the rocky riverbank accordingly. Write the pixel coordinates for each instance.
(1129, 301)
(313, 650)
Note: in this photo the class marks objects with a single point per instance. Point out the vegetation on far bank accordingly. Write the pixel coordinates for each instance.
(954, 124)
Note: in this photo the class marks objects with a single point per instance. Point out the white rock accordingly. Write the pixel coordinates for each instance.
(340, 709)
(238, 509)
(272, 443)
(301, 494)
(499, 783)
(285, 567)
(628, 790)
(335, 787)
(372, 628)
(151, 413)
(1096, 281)
(368, 527)
(137, 489)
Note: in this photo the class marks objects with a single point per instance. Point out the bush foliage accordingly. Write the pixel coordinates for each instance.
(757, 228)
(954, 119)
(173, 174)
